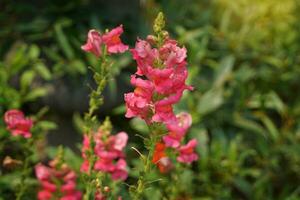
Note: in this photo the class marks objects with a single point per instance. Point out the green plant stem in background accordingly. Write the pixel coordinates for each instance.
(101, 74)
(25, 171)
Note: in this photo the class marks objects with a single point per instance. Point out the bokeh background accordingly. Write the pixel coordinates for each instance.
(244, 62)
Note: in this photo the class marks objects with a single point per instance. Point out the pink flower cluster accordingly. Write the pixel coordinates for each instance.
(159, 84)
(109, 152)
(56, 182)
(177, 131)
(159, 81)
(110, 39)
(17, 124)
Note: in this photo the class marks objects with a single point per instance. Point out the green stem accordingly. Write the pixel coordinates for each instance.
(141, 183)
(100, 76)
(25, 172)
(89, 184)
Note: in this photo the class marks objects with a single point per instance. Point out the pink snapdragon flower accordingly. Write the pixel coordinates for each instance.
(111, 40)
(93, 44)
(109, 151)
(139, 102)
(187, 152)
(49, 177)
(177, 130)
(17, 124)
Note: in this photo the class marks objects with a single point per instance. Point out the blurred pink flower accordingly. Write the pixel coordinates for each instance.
(113, 41)
(93, 44)
(50, 176)
(17, 124)
(119, 141)
(120, 172)
(109, 152)
(187, 153)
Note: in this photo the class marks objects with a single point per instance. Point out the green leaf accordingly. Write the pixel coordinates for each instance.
(224, 71)
(43, 71)
(243, 186)
(272, 129)
(63, 42)
(46, 125)
(78, 122)
(36, 93)
(26, 79)
(34, 52)
(210, 101)
(119, 110)
(139, 125)
(247, 124)
(78, 66)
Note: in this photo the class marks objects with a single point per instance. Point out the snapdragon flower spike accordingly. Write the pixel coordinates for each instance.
(159, 84)
(17, 123)
(109, 152)
(164, 71)
(55, 180)
(111, 40)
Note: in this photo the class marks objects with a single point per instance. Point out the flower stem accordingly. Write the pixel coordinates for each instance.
(100, 76)
(141, 183)
(25, 171)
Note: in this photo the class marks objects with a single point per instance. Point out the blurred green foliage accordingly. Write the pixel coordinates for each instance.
(244, 62)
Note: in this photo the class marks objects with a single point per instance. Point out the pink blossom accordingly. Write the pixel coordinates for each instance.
(177, 130)
(144, 55)
(42, 172)
(113, 41)
(120, 172)
(44, 195)
(48, 185)
(109, 151)
(17, 124)
(99, 196)
(139, 102)
(172, 54)
(120, 141)
(144, 88)
(84, 166)
(163, 113)
(186, 152)
(74, 196)
(136, 106)
(105, 165)
(93, 44)
(50, 176)
(164, 74)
